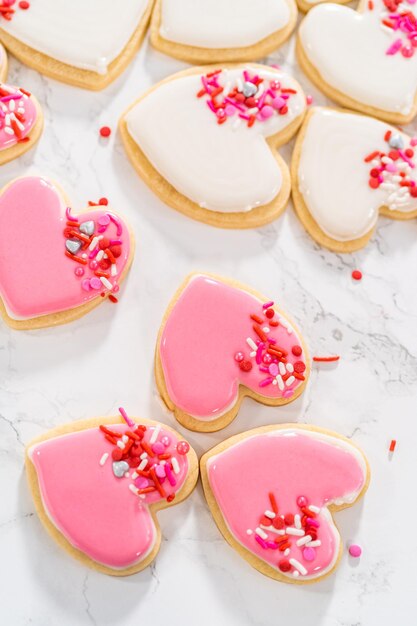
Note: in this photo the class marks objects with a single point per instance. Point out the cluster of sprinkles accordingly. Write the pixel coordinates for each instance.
(12, 112)
(270, 358)
(248, 99)
(87, 245)
(398, 19)
(276, 531)
(392, 170)
(7, 11)
(147, 459)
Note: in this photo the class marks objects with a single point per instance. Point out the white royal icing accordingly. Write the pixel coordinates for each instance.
(333, 176)
(87, 34)
(220, 24)
(348, 49)
(227, 167)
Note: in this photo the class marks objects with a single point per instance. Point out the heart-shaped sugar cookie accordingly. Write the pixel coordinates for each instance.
(273, 491)
(306, 5)
(219, 342)
(21, 122)
(364, 60)
(208, 31)
(87, 44)
(97, 485)
(204, 140)
(56, 266)
(346, 169)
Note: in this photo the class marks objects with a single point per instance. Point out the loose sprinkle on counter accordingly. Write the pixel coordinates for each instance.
(105, 131)
(325, 359)
(392, 445)
(355, 551)
(357, 275)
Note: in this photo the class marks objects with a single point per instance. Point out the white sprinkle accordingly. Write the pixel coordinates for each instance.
(113, 269)
(296, 574)
(315, 509)
(271, 529)
(104, 458)
(260, 91)
(314, 544)
(133, 489)
(297, 521)
(155, 434)
(280, 382)
(303, 540)
(125, 438)
(282, 369)
(100, 255)
(93, 243)
(295, 531)
(298, 566)
(144, 455)
(274, 382)
(286, 552)
(266, 329)
(252, 111)
(261, 533)
(252, 354)
(249, 532)
(106, 282)
(290, 381)
(251, 343)
(386, 159)
(143, 464)
(12, 105)
(7, 119)
(120, 444)
(84, 256)
(239, 84)
(290, 368)
(134, 475)
(269, 514)
(126, 474)
(8, 130)
(175, 465)
(21, 110)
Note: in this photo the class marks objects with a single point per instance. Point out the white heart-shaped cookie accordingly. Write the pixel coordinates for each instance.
(207, 31)
(83, 43)
(204, 140)
(347, 168)
(364, 60)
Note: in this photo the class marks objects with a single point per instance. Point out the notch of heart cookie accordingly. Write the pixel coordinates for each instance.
(219, 342)
(211, 155)
(56, 266)
(273, 492)
(227, 32)
(380, 163)
(383, 53)
(102, 512)
(306, 5)
(50, 39)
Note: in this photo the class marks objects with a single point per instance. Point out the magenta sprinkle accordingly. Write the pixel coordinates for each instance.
(116, 242)
(211, 106)
(244, 117)
(261, 542)
(12, 96)
(313, 522)
(246, 76)
(267, 305)
(116, 221)
(170, 475)
(126, 418)
(395, 47)
(69, 216)
(405, 158)
(93, 253)
(272, 545)
(261, 346)
(266, 381)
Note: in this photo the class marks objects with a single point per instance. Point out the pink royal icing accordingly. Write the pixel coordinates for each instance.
(37, 277)
(288, 470)
(17, 115)
(212, 342)
(105, 516)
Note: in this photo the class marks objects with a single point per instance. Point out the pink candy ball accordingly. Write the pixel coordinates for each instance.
(239, 356)
(165, 440)
(158, 447)
(355, 550)
(230, 110)
(407, 51)
(267, 358)
(160, 471)
(266, 112)
(93, 265)
(278, 102)
(116, 288)
(302, 501)
(79, 271)
(183, 447)
(95, 283)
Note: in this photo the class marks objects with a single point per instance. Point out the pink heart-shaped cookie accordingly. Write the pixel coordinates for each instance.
(21, 121)
(221, 341)
(272, 492)
(365, 60)
(55, 266)
(205, 141)
(97, 485)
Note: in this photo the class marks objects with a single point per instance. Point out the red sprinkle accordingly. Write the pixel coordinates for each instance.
(357, 275)
(296, 350)
(103, 201)
(105, 131)
(245, 366)
(325, 359)
(392, 445)
(284, 565)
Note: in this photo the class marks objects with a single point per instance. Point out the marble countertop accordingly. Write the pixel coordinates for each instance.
(105, 360)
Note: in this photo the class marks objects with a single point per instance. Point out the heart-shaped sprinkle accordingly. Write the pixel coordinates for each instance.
(396, 141)
(73, 245)
(87, 227)
(120, 468)
(249, 89)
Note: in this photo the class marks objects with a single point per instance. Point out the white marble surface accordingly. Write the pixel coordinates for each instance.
(92, 366)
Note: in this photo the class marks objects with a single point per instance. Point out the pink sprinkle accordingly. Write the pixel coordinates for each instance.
(104, 220)
(273, 369)
(266, 112)
(309, 554)
(86, 284)
(278, 102)
(69, 216)
(230, 110)
(272, 545)
(170, 475)
(262, 368)
(12, 96)
(117, 222)
(93, 253)
(95, 283)
(413, 142)
(288, 393)
(246, 76)
(259, 353)
(261, 542)
(268, 305)
(116, 242)
(126, 418)
(355, 550)
(158, 447)
(141, 482)
(265, 382)
(313, 522)
(211, 106)
(395, 47)
(160, 471)
(309, 100)
(405, 158)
